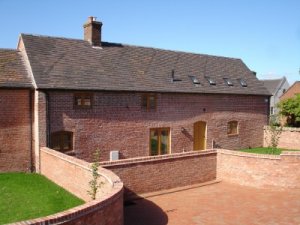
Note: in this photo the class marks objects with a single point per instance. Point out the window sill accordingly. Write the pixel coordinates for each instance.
(232, 135)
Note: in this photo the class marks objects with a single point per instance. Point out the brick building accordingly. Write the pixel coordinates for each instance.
(277, 87)
(131, 101)
(15, 113)
(291, 91)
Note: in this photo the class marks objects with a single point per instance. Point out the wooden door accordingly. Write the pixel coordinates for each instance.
(200, 135)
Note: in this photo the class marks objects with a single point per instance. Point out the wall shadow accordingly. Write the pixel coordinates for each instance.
(144, 212)
(141, 211)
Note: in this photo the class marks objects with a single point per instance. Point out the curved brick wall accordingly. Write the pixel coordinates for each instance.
(259, 170)
(74, 174)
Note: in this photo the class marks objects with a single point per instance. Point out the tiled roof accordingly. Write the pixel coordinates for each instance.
(61, 63)
(12, 70)
(290, 93)
(272, 84)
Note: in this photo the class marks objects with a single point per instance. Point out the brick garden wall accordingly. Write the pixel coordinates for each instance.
(289, 138)
(259, 170)
(117, 122)
(74, 174)
(155, 173)
(15, 130)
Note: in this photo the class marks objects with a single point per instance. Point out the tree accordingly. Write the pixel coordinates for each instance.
(290, 108)
(94, 184)
(273, 136)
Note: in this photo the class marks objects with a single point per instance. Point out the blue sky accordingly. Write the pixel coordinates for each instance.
(265, 34)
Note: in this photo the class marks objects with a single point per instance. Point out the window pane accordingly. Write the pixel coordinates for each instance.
(152, 102)
(232, 127)
(144, 101)
(55, 142)
(154, 142)
(77, 100)
(87, 101)
(164, 142)
(66, 142)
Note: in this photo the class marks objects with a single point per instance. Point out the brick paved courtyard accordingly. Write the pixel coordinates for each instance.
(220, 204)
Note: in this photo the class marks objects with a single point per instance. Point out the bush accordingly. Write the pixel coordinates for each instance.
(290, 108)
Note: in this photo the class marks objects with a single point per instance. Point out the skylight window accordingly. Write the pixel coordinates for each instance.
(174, 79)
(210, 81)
(243, 82)
(228, 81)
(194, 80)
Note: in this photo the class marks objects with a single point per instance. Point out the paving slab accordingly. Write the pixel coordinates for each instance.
(217, 204)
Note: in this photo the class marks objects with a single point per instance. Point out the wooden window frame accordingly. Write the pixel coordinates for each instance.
(82, 96)
(148, 103)
(159, 130)
(229, 128)
(60, 135)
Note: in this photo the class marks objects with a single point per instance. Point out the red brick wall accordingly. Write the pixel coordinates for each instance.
(259, 170)
(289, 138)
(117, 122)
(15, 130)
(155, 173)
(74, 175)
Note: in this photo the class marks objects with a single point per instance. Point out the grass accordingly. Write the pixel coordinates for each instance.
(277, 151)
(26, 196)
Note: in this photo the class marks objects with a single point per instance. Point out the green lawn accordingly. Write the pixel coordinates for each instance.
(276, 151)
(26, 196)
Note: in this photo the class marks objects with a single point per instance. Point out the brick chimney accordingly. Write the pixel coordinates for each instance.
(92, 31)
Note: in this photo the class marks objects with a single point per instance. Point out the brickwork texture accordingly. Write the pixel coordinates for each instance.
(289, 138)
(156, 173)
(74, 174)
(15, 130)
(257, 170)
(117, 122)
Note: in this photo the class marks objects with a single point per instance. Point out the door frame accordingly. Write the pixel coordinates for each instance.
(204, 123)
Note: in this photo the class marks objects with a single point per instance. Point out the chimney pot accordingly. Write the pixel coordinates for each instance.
(92, 31)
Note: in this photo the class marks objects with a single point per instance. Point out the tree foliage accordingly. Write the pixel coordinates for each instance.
(94, 183)
(290, 108)
(273, 136)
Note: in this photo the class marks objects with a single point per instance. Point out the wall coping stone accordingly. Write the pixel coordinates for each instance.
(157, 158)
(248, 154)
(292, 129)
(255, 155)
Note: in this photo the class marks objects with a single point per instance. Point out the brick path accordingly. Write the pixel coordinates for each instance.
(220, 204)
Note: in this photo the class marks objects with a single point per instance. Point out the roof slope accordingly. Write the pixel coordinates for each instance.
(12, 70)
(61, 63)
(292, 91)
(273, 84)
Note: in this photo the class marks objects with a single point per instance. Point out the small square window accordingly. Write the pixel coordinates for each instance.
(195, 80)
(228, 81)
(232, 128)
(62, 141)
(83, 100)
(149, 101)
(243, 82)
(211, 81)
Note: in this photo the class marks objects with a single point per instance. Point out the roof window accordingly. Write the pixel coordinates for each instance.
(243, 82)
(194, 80)
(210, 81)
(174, 79)
(228, 81)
